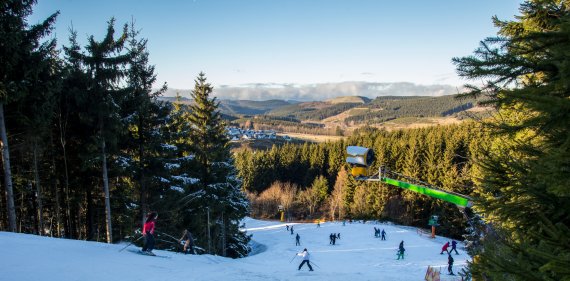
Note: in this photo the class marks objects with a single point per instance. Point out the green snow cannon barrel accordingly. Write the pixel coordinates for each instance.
(359, 158)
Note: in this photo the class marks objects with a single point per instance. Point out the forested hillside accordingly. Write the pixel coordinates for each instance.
(311, 180)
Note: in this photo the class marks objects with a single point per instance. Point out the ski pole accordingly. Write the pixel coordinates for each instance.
(293, 258)
(315, 264)
(131, 243)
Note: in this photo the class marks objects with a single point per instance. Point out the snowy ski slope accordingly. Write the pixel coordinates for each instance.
(357, 256)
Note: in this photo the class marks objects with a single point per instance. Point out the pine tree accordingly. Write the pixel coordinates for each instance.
(522, 191)
(19, 46)
(104, 64)
(216, 173)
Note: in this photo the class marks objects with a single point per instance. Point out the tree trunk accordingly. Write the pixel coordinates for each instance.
(7, 173)
(144, 207)
(38, 189)
(106, 189)
(69, 224)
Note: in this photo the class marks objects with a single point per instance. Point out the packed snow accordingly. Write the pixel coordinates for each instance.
(358, 255)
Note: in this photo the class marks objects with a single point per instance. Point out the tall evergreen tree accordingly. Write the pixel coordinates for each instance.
(523, 189)
(104, 64)
(20, 42)
(216, 173)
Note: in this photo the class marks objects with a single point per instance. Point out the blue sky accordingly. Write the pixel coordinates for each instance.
(298, 41)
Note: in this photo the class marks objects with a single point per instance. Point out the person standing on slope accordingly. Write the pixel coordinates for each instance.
(444, 248)
(383, 234)
(401, 250)
(454, 247)
(148, 233)
(450, 264)
(306, 257)
(291, 230)
(188, 242)
(297, 240)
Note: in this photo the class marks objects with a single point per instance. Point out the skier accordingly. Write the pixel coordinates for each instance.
(453, 247)
(306, 257)
(375, 232)
(297, 240)
(189, 242)
(148, 232)
(287, 227)
(291, 230)
(318, 223)
(333, 237)
(330, 239)
(383, 234)
(450, 264)
(401, 250)
(444, 248)
(338, 236)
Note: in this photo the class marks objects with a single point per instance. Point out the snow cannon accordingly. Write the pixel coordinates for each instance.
(360, 159)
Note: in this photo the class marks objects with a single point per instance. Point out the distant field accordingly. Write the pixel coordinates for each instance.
(312, 138)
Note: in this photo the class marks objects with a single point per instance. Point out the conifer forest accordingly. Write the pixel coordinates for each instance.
(89, 148)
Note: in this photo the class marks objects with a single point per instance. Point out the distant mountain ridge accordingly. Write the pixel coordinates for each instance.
(322, 91)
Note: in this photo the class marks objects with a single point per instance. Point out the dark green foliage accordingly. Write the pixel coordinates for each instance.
(388, 108)
(523, 182)
(436, 155)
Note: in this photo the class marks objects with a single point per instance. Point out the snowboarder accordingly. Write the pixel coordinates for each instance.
(297, 240)
(444, 248)
(291, 230)
(453, 247)
(383, 234)
(450, 264)
(401, 250)
(148, 232)
(306, 256)
(188, 242)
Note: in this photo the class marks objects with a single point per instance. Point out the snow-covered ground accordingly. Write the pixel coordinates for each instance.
(356, 256)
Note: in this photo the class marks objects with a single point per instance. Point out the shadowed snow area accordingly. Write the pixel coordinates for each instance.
(358, 255)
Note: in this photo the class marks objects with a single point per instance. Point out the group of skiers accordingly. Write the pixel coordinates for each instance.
(149, 241)
(449, 257)
(333, 237)
(378, 233)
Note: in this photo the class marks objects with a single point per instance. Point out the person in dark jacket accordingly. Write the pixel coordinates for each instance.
(401, 250)
(148, 233)
(188, 242)
(454, 247)
(297, 240)
(383, 234)
(450, 264)
(291, 230)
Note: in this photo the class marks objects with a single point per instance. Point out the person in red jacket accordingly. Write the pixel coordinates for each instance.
(148, 233)
(444, 248)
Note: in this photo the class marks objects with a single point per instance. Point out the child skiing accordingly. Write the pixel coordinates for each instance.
(189, 242)
(148, 232)
(306, 256)
(453, 247)
(450, 264)
(297, 240)
(444, 248)
(401, 250)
